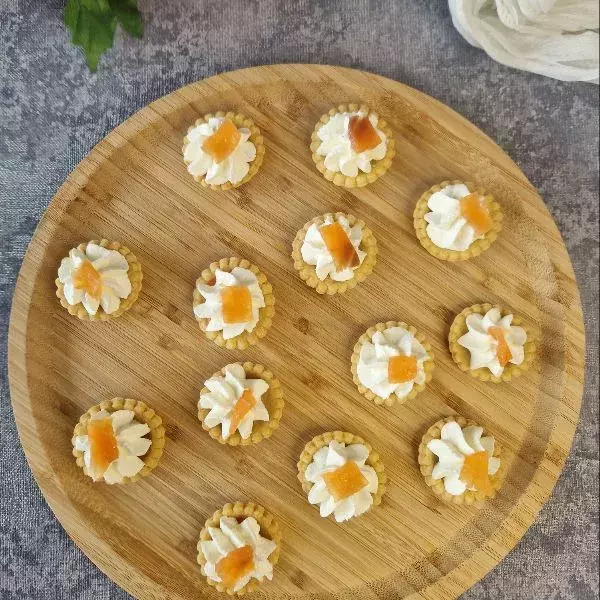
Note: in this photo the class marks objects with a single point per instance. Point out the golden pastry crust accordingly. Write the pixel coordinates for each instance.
(462, 357)
(269, 528)
(328, 286)
(428, 365)
(143, 414)
(319, 441)
(265, 314)
(378, 167)
(135, 277)
(427, 461)
(272, 399)
(256, 138)
(478, 246)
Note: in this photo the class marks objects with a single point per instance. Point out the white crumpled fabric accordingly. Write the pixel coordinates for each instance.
(555, 38)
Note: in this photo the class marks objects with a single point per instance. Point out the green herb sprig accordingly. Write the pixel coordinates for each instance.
(92, 24)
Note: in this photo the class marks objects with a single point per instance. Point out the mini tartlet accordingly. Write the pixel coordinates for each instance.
(263, 411)
(338, 140)
(392, 358)
(342, 495)
(223, 150)
(465, 222)
(310, 245)
(99, 280)
(516, 340)
(442, 453)
(118, 441)
(258, 528)
(256, 305)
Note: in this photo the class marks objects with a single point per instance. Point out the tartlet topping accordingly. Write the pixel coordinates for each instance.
(363, 136)
(339, 245)
(474, 210)
(103, 445)
(345, 481)
(222, 143)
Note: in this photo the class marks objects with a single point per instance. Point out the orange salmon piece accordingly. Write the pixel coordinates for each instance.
(476, 214)
(103, 444)
(503, 351)
(345, 481)
(339, 245)
(237, 564)
(222, 142)
(402, 369)
(86, 278)
(363, 136)
(242, 407)
(237, 304)
(475, 472)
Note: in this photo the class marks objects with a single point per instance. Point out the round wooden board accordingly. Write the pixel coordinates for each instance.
(133, 187)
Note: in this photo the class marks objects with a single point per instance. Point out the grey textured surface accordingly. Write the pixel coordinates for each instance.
(52, 111)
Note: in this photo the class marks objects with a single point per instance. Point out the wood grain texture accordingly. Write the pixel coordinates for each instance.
(133, 187)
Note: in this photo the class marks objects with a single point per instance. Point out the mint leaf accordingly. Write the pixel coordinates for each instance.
(128, 16)
(92, 24)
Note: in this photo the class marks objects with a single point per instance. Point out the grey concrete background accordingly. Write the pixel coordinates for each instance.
(52, 111)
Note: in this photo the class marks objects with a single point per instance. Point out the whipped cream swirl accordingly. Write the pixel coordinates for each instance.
(336, 146)
(447, 228)
(231, 535)
(212, 308)
(330, 458)
(372, 368)
(131, 444)
(484, 347)
(232, 169)
(223, 394)
(315, 252)
(95, 278)
(451, 449)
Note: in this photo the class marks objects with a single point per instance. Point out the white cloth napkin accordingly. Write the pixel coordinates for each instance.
(555, 38)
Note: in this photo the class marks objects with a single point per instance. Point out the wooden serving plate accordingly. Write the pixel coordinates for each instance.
(133, 187)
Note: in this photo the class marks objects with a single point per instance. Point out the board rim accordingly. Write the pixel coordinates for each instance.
(465, 573)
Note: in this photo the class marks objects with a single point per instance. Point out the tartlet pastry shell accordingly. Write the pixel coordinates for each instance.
(378, 167)
(478, 246)
(265, 315)
(272, 399)
(428, 365)
(269, 528)
(374, 460)
(328, 286)
(427, 460)
(462, 357)
(135, 277)
(255, 137)
(143, 414)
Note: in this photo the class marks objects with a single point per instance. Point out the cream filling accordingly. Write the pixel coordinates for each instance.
(447, 228)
